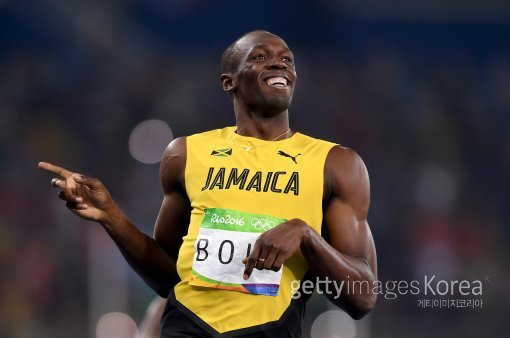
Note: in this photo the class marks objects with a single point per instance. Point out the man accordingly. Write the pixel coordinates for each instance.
(243, 212)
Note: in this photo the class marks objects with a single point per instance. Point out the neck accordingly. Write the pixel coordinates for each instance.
(264, 128)
(262, 125)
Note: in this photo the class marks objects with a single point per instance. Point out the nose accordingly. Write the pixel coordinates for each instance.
(277, 64)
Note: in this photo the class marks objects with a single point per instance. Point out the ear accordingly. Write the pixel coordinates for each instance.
(228, 82)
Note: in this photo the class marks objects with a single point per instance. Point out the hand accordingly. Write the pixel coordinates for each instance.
(275, 246)
(86, 197)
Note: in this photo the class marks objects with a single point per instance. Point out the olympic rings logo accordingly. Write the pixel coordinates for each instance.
(262, 224)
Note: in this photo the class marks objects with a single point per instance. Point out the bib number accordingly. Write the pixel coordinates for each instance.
(225, 238)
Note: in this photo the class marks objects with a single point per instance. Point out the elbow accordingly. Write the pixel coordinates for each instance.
(358, 314)
(356, 307)
(362, 306)
(162, 291)
(162, 287)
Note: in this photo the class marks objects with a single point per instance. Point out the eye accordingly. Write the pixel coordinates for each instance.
(288, 59)
(259, 57)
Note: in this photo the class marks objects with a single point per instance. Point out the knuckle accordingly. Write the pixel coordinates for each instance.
(262, 244)
(276, 246)
(265, 241)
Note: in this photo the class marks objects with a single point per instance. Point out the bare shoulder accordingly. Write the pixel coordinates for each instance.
(173, 163)
(344, 157)
(345, 172)
(175, 148)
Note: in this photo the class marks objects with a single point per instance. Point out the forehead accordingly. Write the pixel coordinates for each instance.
(261, 40)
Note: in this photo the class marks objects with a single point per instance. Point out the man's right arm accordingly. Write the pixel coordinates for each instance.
(154, 259)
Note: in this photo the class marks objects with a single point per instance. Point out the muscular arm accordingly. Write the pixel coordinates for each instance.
(349, 254)
(173, 218)
(153, 258)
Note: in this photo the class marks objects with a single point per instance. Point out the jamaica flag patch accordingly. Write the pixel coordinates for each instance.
(222, 152)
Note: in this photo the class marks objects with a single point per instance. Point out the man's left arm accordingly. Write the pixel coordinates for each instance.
(349, 254)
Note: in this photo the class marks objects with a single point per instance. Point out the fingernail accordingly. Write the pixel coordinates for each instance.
(79, 199)
(54, 181)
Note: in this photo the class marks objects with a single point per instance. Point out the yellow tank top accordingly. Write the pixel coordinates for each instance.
(240, 187)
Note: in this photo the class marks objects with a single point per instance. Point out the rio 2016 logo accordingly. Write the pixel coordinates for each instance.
(262, 224)
(259, 224)
(227, 219)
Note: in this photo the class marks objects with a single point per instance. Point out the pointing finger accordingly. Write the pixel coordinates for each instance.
(251, 262)
(54, 169)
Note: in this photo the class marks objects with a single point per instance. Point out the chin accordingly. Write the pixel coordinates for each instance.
(278, 101)
(276, 105)
(270, 103)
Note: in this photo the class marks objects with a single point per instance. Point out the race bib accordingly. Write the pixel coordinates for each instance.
(225, 238)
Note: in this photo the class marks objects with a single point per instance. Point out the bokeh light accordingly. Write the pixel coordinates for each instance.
(334, 324)
(115, 325)
(148, 140)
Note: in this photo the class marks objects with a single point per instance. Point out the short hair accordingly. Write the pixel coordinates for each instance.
(230, 57)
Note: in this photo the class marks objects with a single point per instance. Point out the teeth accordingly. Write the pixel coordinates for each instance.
(277, 81)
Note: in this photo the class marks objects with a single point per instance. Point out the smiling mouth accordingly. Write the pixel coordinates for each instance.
(279, 82)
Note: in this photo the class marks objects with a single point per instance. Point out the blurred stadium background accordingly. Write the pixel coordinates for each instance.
(421, 89)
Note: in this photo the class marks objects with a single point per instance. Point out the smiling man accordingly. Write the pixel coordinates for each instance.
(248, 211)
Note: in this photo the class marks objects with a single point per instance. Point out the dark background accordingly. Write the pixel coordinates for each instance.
(421, 90)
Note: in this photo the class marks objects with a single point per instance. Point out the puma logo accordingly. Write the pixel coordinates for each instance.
(284, 154)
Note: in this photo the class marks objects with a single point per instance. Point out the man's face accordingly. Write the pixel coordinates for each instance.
(266, 75)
